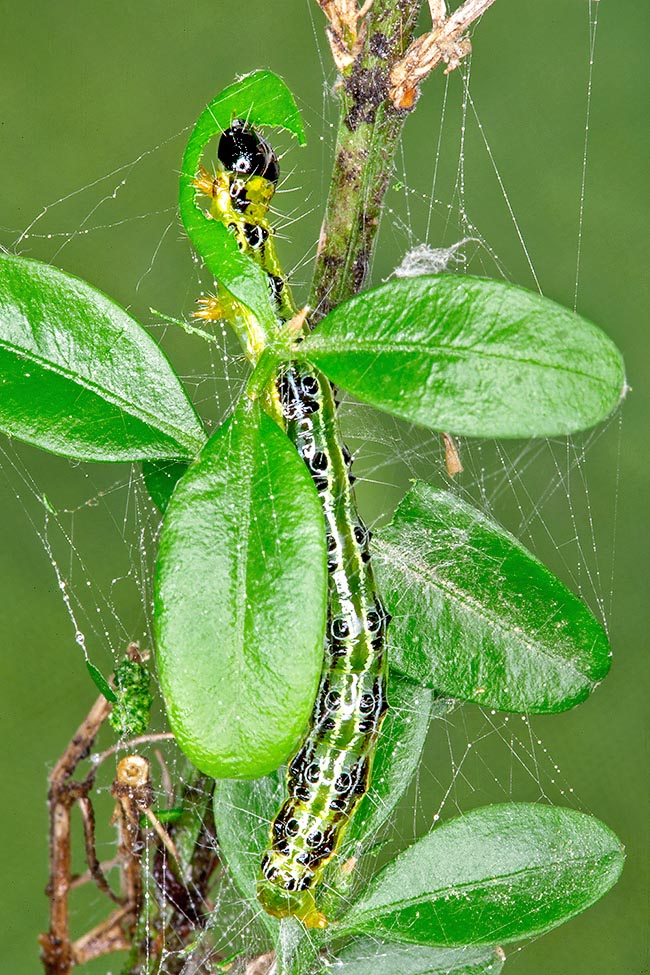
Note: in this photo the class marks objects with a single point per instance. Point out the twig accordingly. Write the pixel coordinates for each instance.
(100, 757)
(452, 457)
(377, 92)
(346, 29)
(132, 789)
(446, 42)
(261, 964)
(56, 949)
(94, 866)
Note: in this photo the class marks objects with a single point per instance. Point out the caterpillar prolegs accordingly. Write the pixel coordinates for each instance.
(331, 772)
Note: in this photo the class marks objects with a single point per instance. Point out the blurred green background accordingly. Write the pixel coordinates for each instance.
(85, 89)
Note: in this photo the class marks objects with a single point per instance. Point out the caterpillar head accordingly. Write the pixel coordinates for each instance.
(284, 902)
(244, 152)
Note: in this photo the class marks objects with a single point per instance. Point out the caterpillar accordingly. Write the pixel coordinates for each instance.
(329, 775)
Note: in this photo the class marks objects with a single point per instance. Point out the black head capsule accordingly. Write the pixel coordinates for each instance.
(242, 150)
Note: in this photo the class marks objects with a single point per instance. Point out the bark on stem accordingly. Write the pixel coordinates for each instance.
(367, 135)
(384, 74)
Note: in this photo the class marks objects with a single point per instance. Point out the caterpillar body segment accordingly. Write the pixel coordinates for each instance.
(331, 772)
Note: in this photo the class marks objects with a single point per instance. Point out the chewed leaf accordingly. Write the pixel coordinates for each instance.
(470, 356)
(366, 956)
(261, 98)
(241, 583)
(476, 616)
(80, 377)
(497, 874)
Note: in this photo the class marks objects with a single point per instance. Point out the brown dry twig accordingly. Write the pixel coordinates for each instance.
(132, 789)
(133, 792)
(446, 42)
(452, 457)
(346, 29)
(57, 950)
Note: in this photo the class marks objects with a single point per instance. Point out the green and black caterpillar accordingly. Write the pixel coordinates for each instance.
(331, 772)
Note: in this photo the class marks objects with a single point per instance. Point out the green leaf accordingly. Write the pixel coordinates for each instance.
(399, 747)
(497, 874)
(262, 99)
(470, 356)
(160, 478)
(101, 683)
(240, 608)
(476, 616)
(366, 956)
(80, 377)
(243, 812)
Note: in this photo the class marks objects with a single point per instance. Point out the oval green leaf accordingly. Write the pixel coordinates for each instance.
(243, 812)
(240, 605)
(476, 616)
(470, 356)
(366, 956)
(80, 377)
(101, 683)
(262, 99)
(497, 874)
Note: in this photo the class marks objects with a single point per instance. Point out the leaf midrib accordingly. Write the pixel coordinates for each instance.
(465, 601)
(103, 393)
(489, 882)
(325, 344)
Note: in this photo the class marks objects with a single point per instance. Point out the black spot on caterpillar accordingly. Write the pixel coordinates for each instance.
(331, 772)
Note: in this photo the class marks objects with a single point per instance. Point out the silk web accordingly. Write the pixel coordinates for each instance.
(98, 528)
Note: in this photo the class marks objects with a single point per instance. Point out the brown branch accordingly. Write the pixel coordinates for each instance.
(261, 964)
(131, 743)
(346, 29)
(446, 42)
(107, 937)
(56, 949)
(132, 789)
(94, 866)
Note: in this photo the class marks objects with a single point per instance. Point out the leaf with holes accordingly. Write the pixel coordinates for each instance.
(241, 576)
(470, 356)
(80, 377)
(262, 99)
(497, 874)
(366, 956)
(476, 616)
